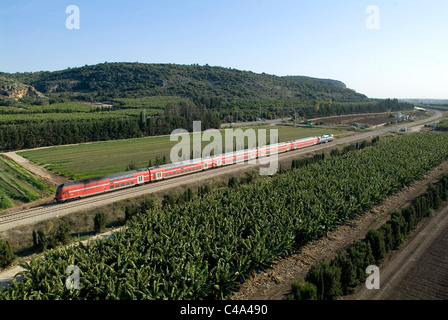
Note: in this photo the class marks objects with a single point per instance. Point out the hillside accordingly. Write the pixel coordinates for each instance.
(12, 89)
(134, 80)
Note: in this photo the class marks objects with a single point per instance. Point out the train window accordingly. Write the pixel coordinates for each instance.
(111, 187)
(132, 174)
(122, 177)
(117, 186)
(127, 176)
(116, 178)
(127, 183)
(111, 179)
(122, 184)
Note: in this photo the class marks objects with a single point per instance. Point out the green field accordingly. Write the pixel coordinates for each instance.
(100, 158)
(17, 185)
(67, 111)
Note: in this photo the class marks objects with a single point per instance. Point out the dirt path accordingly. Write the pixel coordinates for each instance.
(48, 176)
(419, 270)
(276, 283)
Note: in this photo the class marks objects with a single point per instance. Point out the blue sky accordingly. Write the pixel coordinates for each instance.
(405, 58)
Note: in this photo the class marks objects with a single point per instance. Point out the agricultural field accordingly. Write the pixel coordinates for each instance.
(101, 158)
(18, 186)
(68, 111)
(204, 248)
(442, 125)
(369, 119)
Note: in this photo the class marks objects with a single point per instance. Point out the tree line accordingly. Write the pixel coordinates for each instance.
(340, 276)
(59, 132)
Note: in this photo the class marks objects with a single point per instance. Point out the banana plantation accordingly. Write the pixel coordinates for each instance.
(205, 248)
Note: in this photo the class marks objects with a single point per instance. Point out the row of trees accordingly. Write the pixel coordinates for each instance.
(328, 281)
(442, 125)
(254, 110)
(58, 132)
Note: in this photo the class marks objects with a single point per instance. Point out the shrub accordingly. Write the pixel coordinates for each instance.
(147, 204)
(410, 218)
(303, 290)
(233, 182)
(5, 202)
(99, 222)
(386, 230)
(62, 234)
(376, 241)
(40, 240)
(399, 228)
(130, 211)
(360, 254)
(348, 273)
(326, 278)
(6, 254)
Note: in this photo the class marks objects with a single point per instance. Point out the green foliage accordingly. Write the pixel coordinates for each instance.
(16, 183)
(442, 125)
(87, 160)
(99, 222)
(7, 256)
(131, 166)
(376, 242)
(386, 230)
(40, 240)
(348, 272)
(205, 247)
(297, 163)
(353, 261)
(360, 254)
(49, 239)
(233, 182)
(5, 202)
(136, 80)
(170, 98)
(326, 279)
(303, 290)
(62, 234)
(168, 200)
(147, 204)
(130, 211)
(399, 229)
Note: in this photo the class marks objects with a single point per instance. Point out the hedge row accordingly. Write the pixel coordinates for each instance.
(329, 281)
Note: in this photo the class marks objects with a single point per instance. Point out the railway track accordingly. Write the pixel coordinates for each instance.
(34, 215)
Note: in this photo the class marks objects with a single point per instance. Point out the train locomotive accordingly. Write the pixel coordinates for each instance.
(94, 186)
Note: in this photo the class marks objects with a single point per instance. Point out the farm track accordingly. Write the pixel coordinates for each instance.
(419, 270)
(49, 211)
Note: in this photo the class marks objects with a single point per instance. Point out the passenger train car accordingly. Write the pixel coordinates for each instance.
(93, 186)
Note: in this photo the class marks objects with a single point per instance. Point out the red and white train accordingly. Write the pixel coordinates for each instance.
(94, 186)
